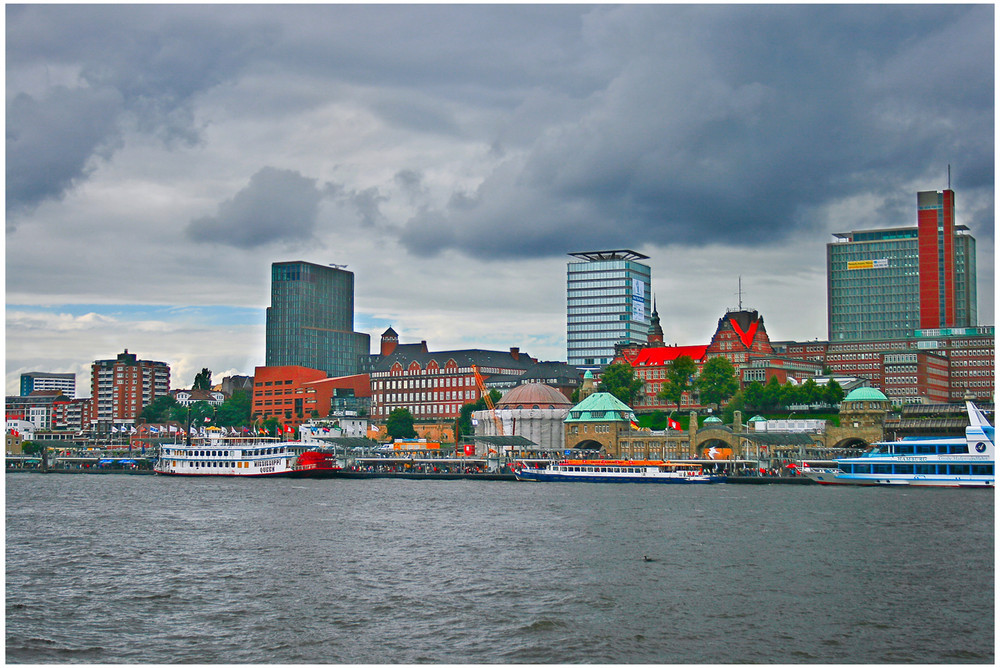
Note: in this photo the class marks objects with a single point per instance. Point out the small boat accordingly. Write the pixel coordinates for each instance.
(604, 470)
(920, 461)
(246, 458)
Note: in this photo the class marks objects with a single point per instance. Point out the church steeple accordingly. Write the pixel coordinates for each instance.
(655, 335)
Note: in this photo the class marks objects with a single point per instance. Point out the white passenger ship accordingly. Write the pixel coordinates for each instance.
(932, 462)
(245, 457)
(602, 470)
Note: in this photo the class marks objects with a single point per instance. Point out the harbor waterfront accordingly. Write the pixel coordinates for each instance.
(156, 569)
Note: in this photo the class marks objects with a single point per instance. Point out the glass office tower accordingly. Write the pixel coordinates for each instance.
(310, 321)
(888, 283)
(607, 302)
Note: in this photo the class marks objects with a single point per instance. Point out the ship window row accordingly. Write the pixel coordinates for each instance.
(918, 469)
(228, 453)
(904, 448)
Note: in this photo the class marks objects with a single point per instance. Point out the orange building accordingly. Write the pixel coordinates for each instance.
(293, 394)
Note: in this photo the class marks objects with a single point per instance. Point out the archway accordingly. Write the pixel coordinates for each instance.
(588, 447)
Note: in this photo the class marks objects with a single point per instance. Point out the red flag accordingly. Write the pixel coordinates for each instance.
(470, 448)
(674, 424)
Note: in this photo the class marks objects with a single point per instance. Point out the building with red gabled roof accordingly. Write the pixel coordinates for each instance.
(740, 337)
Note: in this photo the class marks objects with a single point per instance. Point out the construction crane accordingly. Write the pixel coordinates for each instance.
(489, 401)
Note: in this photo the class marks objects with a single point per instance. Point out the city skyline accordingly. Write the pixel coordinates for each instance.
(452, 156)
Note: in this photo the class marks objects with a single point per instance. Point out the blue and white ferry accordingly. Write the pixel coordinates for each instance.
(918, 461)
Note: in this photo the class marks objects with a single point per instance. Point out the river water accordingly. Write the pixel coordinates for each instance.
(148, 569)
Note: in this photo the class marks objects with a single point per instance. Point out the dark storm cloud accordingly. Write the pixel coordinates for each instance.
(278, 205)
(130, 66)
(736, 125)
(51, 140)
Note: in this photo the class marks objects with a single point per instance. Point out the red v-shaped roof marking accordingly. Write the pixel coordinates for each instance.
(747, 336)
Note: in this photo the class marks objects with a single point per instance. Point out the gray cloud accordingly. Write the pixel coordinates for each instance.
(699, 140)
(52, 139)
(131, 65)
(278, 205)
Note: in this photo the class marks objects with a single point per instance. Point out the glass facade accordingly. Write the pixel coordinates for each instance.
(607, 302)
(310, 321)
(873, 283)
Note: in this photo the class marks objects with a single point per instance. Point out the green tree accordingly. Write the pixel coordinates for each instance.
(717, 381)
(159, 409)
(657, 420)
(680, 376)
(202, 413)
(31, 447)
(737, 403)
(399, 424)
(812, 393)
(833, 393)
(753, 397)
(771, 399)
(620, 380)
(234, 411)
(272, 427)
(202, 381)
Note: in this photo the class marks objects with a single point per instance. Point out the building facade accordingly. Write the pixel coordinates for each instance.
(310, 322)
(121, 387)
(435, 385)
(607, 303)
(293, 395)
(928, 366)
(41, 380)
(740, 337)
(887, 283)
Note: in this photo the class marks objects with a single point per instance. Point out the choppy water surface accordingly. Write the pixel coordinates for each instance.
(143, 569)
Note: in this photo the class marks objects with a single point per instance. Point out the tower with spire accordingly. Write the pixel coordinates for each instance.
(655, 333)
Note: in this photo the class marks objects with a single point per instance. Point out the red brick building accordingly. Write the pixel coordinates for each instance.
(932, 366)
(122, 387)
(435, 385)
(293, 394)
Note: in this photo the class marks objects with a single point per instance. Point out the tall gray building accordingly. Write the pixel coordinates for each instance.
(310, 321)
(607, 302)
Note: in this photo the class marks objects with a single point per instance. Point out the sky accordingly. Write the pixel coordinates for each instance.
(161, 157)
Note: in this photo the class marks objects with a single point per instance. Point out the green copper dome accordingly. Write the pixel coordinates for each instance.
(601, 407)
(712, 420)
(757, 418)
(865, 394)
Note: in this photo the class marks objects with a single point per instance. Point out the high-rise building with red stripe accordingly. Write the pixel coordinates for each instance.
(888, 283)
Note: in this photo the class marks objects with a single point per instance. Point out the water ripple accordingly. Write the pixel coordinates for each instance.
(378, 571)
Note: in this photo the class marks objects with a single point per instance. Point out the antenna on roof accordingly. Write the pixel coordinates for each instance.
(338, 266)
(739, 291)
(949, 176)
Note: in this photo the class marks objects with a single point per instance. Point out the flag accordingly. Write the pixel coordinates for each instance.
(673, 424)
(289, 430)
(114, 430)
(133, 430)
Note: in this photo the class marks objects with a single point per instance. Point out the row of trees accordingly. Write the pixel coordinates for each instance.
(716, 385)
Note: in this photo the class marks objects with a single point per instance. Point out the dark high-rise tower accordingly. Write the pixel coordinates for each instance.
(310, 321)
